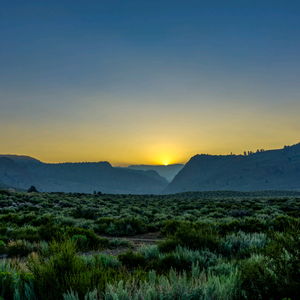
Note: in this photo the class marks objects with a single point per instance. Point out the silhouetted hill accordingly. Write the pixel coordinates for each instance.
(76, 177)
(17, 176)
(268, 170)
(168, 172)
(21, 159)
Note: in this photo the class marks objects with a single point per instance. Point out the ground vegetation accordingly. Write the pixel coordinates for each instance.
(212, 245)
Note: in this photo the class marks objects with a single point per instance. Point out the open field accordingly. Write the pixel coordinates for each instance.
(197, 245)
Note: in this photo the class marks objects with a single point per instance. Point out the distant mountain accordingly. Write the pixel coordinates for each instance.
(169, 171)
(22, 159)
(76, 177)
(17, 176)
(149, 173)
(268, 170)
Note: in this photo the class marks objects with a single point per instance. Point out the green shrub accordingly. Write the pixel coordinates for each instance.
(81, 241)
(28, 218)
(107, 261)
(226, 228)
(10, 218)
(170, 227)
(125, 243)
(117, 243)
(3, 229)
(167, 245)
(197, 237)
(18, 248)
(177, 286)
(251, 225)
(132, 260)
(183, 259)
(282, 222)
(49, 231)
(149, 251)
(26, 233)
(274, 274)
(4, 192)
(121, 227)
(40, 220)
(64, 270)
(152, 228)
(95, 242)
(2, 247)
(15, 283)
(242, 244)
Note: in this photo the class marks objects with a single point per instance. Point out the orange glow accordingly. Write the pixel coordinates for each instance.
(129, 136)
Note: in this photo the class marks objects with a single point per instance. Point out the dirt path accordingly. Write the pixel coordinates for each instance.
(136, 241)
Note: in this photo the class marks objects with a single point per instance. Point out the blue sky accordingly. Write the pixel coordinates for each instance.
(161, 80)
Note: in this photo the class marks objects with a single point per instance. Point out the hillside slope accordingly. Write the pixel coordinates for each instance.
(169, 171)
(268, 170)
(76, 177)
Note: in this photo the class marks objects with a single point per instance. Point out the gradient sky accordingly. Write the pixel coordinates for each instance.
(148, 82)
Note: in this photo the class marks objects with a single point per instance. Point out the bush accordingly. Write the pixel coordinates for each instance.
(3, 229)
(197, 237)
(107, 261)
(121, 227)
(194, 236)
(28, 219)
(14, 282)
(32, 189)
(183, 259)
(2, 247)
(81, 241)
(10, 218)
(49, 231)
(242, 244)
(95, 242)
(117, 243)
(4, 192)
(40, 220)
(132, 260)
(170, 227)
(251, 225)
(19, 248)
(281, 223)
(167, 245)
(152, 228)
(64, 270)
(275, 273)
(149, 251)
(26, 233)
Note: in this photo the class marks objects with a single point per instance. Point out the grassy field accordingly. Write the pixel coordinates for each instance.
(194, 245)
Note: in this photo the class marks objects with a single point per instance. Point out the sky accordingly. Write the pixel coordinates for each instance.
(148, 82)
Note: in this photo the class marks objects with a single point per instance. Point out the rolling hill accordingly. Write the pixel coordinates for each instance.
(77, 177)
(268, 170)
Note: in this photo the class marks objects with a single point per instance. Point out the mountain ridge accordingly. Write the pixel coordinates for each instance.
(267, 170)
(277, 169)
(76, 177)
(168, 171)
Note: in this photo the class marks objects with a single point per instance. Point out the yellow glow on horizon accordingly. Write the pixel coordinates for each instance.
(165, 161)
(164, 153)
(155, 138)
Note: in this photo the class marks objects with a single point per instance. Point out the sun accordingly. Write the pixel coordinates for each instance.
(165, 161)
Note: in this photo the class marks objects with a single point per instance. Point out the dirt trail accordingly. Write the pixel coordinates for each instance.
(137, 241)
